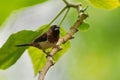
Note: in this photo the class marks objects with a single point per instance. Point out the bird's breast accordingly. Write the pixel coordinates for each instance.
(46, 44)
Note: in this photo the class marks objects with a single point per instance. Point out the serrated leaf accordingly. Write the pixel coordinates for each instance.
(38, 55)
(38, 58)
(7, 6)
(9, 53)
(84, 26)
(106, 4)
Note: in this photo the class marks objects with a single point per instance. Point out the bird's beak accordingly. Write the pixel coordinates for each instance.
(57, 28)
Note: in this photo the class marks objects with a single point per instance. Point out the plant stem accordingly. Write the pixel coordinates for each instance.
(57, 15)
(64, 16)
(66, 2)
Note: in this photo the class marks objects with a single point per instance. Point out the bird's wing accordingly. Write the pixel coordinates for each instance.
(41, 38)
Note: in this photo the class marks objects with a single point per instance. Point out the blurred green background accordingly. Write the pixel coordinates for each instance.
(97, 51)
(8, 6)
(94, 54)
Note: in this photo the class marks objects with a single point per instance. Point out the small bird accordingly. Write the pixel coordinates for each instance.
(46, 40)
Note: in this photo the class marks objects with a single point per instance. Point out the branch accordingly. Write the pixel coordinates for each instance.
(81, 17)
(48, 64)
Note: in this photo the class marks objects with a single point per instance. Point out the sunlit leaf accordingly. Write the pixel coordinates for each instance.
(84, 26)
(38, 58)
(7, 6)
(106, 4)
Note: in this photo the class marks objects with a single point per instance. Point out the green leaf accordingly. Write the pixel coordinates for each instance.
(106, 4)
(9, 53)
(38, 57)
(7, 6)
(84, 26)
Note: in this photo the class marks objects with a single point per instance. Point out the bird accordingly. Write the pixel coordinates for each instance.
(45, 40)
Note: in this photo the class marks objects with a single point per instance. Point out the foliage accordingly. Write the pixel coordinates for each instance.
(9, 53)
(106, 4)
(8, 6)
(84, 26)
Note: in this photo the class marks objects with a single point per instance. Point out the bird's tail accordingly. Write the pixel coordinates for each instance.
(21, 45)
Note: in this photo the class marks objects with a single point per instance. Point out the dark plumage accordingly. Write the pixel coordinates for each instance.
(46, 40)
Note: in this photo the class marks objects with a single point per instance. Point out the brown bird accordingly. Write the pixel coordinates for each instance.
(46, 40)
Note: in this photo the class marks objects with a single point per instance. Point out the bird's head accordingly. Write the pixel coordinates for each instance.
(55, 29)
(53, 33)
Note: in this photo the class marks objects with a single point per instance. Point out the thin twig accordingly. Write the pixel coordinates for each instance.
(66, 2)
(50, 62)
(64, 17)
(57, 16)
